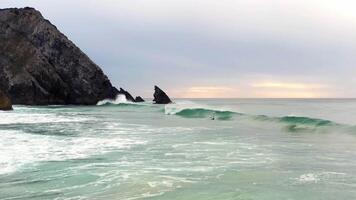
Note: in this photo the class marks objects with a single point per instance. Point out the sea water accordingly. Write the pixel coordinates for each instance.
(221, 149)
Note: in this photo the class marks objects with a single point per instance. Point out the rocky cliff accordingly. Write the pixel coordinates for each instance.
(39, 65)
(160, 97)
(5, 102)
(128, 96)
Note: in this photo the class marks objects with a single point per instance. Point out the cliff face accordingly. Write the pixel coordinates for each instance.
(39, 65)
(160, 97)
(5, 102)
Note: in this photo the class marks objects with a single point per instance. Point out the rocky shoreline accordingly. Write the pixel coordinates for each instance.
(39, 65)
(5, 102)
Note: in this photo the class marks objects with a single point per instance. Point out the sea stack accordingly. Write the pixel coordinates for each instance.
(128, 96)
(139, 99)
(5, 102)
(160, 97)
(39, 65)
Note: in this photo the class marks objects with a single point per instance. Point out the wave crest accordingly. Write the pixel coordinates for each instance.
(204, 113)
(120, 99)
(191, 110)
(292, 123)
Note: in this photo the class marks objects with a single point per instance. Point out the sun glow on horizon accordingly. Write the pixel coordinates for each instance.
(207, 92)
(274, 89)
(263, 89)
(283, 85)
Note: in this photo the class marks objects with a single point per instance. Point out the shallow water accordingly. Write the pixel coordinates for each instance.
(253, 149)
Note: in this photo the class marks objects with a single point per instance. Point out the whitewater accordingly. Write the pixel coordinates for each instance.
(226, 149)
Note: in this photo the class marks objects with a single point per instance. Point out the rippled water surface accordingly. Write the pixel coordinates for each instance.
(248, 149)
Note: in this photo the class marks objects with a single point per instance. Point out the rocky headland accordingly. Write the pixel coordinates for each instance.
(39, 65)
(5, 102)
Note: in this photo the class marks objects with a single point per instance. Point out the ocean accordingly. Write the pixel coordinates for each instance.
(194, 149)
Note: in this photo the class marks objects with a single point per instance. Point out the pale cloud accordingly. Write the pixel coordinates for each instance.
(283, 85)
(207, 92)
(256, 90)
(277, 89)
(215, 48)
(287, 94)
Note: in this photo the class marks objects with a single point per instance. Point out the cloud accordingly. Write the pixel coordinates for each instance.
(291, 86)
(273, 89)
(206, 92)
(191, 47)
(287, 94)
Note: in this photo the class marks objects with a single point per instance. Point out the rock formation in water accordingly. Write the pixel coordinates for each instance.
(139, 99)
(39, 65)
(5, 102)
(128, 96)
(160, 97)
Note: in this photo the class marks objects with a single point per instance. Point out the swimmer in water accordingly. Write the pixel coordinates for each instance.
(212, 117)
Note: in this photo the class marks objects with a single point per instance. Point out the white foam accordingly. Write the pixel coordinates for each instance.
(211, 143)
(19, 149)
(308, 178)
(174, 108)
(31, 118)
(321, 176)
(120, 99)
(164, 183)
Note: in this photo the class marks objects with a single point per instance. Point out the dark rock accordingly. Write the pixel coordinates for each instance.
(139, 99)
(39, 65)
(128, 96)
(160, 97)
(5, 102)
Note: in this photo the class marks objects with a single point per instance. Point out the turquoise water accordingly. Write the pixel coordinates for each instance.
(248, 149)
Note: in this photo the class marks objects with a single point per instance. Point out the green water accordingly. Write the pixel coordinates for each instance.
(246, 149)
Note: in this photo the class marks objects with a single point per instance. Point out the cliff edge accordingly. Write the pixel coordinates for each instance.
(39, 65)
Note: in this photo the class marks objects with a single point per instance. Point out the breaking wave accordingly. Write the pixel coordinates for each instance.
(192, 110)
(292, 123)
(204, 113)
(121, 101)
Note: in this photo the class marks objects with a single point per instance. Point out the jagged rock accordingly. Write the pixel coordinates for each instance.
(5, 102)
(39, 65)
(139, 99)
(160, 97)
(128, 96)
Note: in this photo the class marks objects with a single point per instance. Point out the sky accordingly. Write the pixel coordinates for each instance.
(215, 48)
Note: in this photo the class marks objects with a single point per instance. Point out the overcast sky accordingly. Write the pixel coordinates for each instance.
(215, 48)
